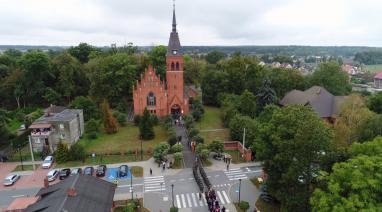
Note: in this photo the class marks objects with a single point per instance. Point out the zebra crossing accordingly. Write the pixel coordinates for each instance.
(222, 185)
(235, 174)
(191, 200)
(152, 184)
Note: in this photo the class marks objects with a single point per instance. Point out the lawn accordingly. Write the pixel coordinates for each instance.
(374, 68)
(211, 125)
(124, 141)
(13, 125)
(105, 159)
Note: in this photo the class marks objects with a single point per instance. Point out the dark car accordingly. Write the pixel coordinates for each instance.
(76, 171)
(268, 198)
(122, 171)
(64, 173)
(89, 170)
(101, 171)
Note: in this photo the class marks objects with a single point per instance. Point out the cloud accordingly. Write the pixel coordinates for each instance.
(200, 22)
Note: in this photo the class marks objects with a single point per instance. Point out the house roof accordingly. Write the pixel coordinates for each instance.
(21, 203)
(174, 43)
(92, 195)
(65, 115)
(40, 126)
(378, 75)
(54, 109)
(323, 102)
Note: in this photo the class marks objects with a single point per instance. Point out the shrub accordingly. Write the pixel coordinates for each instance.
(154, 119)
(137, 120)
(200, 147)
(177, 148)
(173, 209)
(178, 156)
(199, 139)
(161, 151)
(244, 205)
(192, 133)
(216, 146)
(77, 152)
(204, 154)
(121, 119)
(172, 140)
(146, 129)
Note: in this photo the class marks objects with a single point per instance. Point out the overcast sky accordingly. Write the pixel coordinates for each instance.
(200, 22)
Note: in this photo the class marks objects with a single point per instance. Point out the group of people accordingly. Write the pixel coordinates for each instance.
(212, 202)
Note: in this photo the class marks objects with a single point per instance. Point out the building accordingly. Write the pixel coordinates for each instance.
(164, 97)
(21, 203)
(79, 193)
(378, 80)
(57, 123)
(324, 103)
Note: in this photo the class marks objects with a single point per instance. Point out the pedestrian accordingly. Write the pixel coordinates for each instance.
(164, 165)
(223, 209)
(151, 172)
(200, 195)
(224, 158)
(227, 166)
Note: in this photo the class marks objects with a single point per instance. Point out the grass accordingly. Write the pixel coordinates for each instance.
(235, 156)
(137, 171)
(125, 140)
(264, 206)
(211, 120)
(13, 125)
(26, 168)
(25, 154)
(121, 206)
(105, 159)
(238, 209)
(374, 68)
(178, 164)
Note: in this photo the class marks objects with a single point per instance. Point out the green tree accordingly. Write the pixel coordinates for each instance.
(353, 185)
(109, 123)
(52, 97)
(161, 151)
(178, 156)
(62, 152)
(291, 156)
(157, 57)
(82, 52)
(146, 128)
(177, 148)
(371, 128)
(77, 152)
(89, 108)
(266, 95)
(214, 56)
(375, 103)
(213, 83)
(237, 125)
(92, 128)
(284, 80)
(248, 104)
(216, 146)
(330, 76)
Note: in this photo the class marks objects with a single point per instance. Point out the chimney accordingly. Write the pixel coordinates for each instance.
(46, 182)
(72, 192)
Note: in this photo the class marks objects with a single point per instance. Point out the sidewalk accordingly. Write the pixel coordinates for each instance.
(219, 165)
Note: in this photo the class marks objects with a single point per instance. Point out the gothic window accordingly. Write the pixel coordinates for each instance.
(172, 66)
(177, 66)
(151, 99)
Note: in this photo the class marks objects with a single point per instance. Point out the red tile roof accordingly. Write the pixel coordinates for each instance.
(378, 75)
(21, 203)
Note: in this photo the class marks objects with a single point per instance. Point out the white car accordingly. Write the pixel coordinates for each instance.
(11, 179)
(52, 175)
(47, 162)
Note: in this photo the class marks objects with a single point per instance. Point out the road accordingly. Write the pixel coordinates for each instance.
(8, 195)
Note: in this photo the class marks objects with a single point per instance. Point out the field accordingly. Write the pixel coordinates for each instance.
(374, 68)
(211, 126)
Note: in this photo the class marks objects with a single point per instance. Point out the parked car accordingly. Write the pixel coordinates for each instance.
(48, 162)
(89, 170)
(268, 198)
(101, 171)
(76, 171)
(52, 175)
(11, 179)
(64, 173)
(122, 171)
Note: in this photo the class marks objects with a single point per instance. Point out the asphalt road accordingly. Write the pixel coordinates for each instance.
(8, 195)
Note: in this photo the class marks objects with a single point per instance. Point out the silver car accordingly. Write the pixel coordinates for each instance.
(52, 175)
(11, 179)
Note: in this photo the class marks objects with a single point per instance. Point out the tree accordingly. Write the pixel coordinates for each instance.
(161, 151)
(330, 76)
(109, 123)
(248, 104)
(291, 156)
(92, 128)
(213, 83)
(214, 56)
(157, 57)
(146, 128)
(244, 205)
(82, 52)
(375, 103)
(177, 148)
(354, 185)
(216, 146)
(237, 125)
(193, 69)
(284, 80)
(350, 121)
(62, 152)
(52, 97)
(371, 128)
(178, 156)
(77, 152)
(266, 95)
(89, 108)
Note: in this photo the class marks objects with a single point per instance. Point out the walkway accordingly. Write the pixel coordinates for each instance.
(188, 156)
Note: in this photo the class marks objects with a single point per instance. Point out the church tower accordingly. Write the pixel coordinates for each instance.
(177, 103)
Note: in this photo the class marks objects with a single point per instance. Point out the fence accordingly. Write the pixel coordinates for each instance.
(236, 145)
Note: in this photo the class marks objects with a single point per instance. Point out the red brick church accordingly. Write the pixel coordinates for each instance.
(163, 97)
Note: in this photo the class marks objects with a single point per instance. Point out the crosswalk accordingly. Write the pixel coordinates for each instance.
(222, 185)
(235, 174)
(156, 183)
(191, 200)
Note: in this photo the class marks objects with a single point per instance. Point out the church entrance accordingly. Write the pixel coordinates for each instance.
(176, 111)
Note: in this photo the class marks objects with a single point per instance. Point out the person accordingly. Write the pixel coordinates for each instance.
(227, 166)
(164, 165)
(224, 158)
(200, 195)
(151, 172)
(223, 209)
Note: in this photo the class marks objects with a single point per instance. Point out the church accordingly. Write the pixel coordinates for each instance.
(160, 97)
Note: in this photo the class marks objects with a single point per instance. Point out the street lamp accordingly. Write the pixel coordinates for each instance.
(131, 184)
(239, 189)
(21, 158)
(172, 194)
(141, 150)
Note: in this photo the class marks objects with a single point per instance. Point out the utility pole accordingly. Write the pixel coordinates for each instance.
(172, 192)
(30, 146)
(239, 189)
(131, 184)
(243, 143)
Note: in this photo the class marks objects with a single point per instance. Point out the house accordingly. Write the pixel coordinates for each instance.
(324, 103)
(164, 97)
(57, 123)
(378, 80)
(79, 193)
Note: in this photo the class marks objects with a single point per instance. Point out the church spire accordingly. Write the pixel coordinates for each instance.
(174, 47)
(173, 18)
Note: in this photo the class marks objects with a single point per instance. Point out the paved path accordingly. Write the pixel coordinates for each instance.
(188, 156)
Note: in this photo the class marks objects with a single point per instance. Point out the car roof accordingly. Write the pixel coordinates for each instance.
(52, 171)
(10, 176)
(49, 157)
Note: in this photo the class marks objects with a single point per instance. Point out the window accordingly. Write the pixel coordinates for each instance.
(151, 100)
(37, 141)
(61, 126)
(177, 66)
(62, 136)
(172, 66)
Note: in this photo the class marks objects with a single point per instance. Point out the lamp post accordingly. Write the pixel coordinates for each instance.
(131, 185)
(172, 194)
(239, 189)
(141, 150)
(21, 158)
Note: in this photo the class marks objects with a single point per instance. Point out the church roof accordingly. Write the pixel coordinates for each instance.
(174, 43)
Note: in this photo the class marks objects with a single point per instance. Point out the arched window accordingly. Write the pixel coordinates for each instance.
(172, 66)
(151, 99)
(177, 66)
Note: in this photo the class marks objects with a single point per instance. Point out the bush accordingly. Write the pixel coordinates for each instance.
(154, 119)
(173, 209)
(244, 205)
(77, 152)
(216, 146)
(62, 153)
(177, 148)
(178, 156)
(161, 151)
(192, 133)
(137, 120)
(200, 147)
(204, 154)
(121, 119)
(199, 139)
(172, 139)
